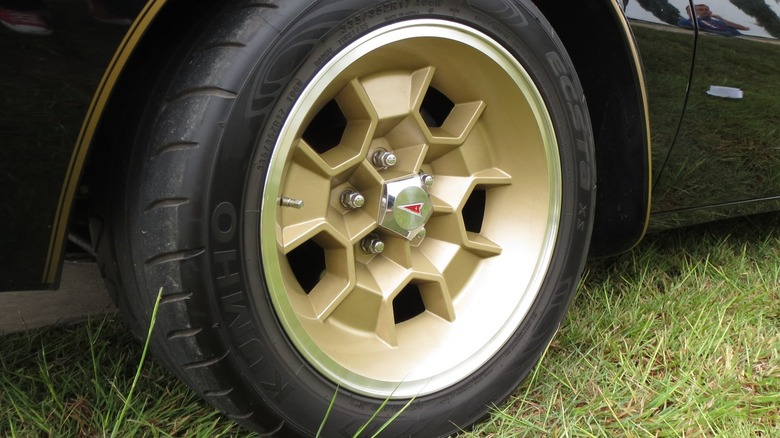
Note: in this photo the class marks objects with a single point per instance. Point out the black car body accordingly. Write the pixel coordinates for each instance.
(684, 123)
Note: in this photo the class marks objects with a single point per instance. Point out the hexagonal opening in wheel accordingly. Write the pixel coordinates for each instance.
(326, 128)
(408, 304)
(435, 108)
(474, 211)
(308, 264)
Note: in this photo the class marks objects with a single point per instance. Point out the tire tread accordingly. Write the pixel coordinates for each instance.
(176, 256)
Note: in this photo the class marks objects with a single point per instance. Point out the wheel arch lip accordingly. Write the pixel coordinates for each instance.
(643, 159)
(610, 68)
(97, 109)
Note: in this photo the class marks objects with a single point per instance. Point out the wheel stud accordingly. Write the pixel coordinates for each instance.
(351, 199)
(426, 179)
(289, 202)
(371, 244)
(382, 159)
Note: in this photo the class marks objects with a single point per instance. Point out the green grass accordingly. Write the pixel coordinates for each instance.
(679, 337)
(73, 381)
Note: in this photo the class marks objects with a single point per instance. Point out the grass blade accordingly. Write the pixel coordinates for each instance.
(137, 376)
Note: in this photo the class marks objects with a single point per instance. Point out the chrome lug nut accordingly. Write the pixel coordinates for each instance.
(351, 199)
(372, 245)
(426, 179)
(382, 159)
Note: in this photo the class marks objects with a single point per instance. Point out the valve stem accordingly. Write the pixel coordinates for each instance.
(290, 202)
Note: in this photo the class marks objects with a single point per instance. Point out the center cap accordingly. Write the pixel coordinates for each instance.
(406, 206)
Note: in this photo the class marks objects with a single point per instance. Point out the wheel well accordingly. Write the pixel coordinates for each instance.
(597, 38)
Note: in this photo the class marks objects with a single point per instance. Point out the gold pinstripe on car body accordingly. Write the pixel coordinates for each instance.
(87, 132)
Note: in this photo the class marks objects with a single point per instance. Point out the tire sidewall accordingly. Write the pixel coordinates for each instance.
(233, 275)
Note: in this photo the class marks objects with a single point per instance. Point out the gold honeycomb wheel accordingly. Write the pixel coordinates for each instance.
(465, 214)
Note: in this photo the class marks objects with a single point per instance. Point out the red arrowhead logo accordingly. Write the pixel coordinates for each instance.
(415, 209)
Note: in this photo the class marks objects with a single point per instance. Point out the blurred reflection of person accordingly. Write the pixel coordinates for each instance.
(709, 22)
(24, 16)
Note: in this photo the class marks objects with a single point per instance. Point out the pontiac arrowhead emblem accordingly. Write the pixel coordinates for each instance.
(412, 209)
(415, 209)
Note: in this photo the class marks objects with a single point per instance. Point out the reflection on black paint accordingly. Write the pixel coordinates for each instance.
(661, 9)
(666, 56)
(727, 155)
(764, 15)
(728, 148)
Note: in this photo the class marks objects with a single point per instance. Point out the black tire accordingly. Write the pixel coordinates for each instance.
(267, 327)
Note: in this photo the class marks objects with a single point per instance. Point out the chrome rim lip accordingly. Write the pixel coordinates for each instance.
(323, 362)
